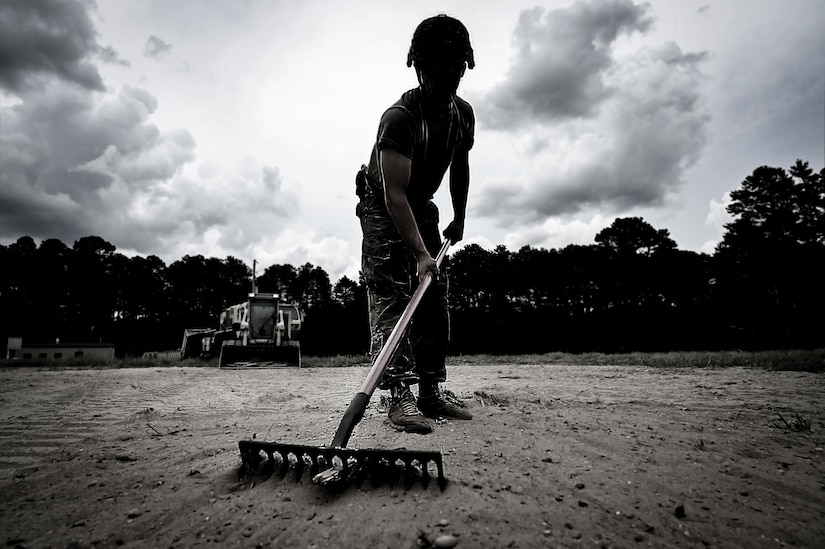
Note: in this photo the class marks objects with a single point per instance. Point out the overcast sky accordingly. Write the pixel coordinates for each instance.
(235, 128)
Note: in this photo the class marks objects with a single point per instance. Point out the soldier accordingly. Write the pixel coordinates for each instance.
(428, 130)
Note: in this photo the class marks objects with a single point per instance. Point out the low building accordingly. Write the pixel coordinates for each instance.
(96, 352)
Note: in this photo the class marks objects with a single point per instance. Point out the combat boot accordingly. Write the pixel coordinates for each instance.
(404, 414)
(437, 403)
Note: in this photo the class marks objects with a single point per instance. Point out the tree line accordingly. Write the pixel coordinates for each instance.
(631, 290)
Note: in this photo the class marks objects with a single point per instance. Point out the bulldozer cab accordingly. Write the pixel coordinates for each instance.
(265, 331)
(263, 319)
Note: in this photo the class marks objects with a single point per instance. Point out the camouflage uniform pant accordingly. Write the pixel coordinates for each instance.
(389, 269)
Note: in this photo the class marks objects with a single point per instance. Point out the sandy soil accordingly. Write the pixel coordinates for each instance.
(555, 456)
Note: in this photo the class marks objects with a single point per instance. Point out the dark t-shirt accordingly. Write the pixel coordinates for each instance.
(429, 138)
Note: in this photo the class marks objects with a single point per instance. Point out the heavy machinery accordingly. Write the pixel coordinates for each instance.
(264, 330)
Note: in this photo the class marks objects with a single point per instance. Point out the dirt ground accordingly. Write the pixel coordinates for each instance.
(556, 456)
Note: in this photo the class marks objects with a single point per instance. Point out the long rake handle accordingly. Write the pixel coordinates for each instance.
(355, 410)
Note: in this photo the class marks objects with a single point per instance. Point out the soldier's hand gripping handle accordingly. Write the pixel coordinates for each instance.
(454, 231)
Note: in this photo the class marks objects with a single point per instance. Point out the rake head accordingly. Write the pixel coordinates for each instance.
(333, 467)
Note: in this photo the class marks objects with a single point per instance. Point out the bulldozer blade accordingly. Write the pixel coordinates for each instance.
(259, 356)
(334, 467)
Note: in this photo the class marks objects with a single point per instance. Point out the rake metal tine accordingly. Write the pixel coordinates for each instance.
(409, 473)
(425, 473)
(300, 465)
(343, 464)
(315, 467)
(283, 467)
(442, 480)
(250, 460)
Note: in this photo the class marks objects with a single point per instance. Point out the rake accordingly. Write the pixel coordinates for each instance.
(335, 464)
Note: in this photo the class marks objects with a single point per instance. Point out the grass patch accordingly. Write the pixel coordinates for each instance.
(788, 360)
(80, 364)
(797, 423)
(337, 361)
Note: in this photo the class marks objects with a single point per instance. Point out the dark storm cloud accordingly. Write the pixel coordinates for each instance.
(561, 58)
(599, 131)
(76, 158)
(81, 159)
(42, 38)
(73, 162)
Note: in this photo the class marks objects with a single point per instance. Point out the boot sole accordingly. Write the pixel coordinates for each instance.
(420, 430)
(448, 416)
(435, 415)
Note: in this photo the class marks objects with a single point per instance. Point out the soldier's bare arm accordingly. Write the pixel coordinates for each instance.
(459, 187)
(395, 168)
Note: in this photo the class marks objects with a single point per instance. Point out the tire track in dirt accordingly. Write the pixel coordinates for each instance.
(70, 407)
(73, 406)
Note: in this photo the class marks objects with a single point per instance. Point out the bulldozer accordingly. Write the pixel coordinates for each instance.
(262, 331)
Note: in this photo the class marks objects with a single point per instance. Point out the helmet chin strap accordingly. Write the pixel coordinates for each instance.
(435, 99)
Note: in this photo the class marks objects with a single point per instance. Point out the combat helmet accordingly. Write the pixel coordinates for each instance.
(441, 40)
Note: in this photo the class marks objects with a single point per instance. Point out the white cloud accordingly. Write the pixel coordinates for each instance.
(627, 147)
(718, 214)
(558, 233)
(561, 59)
